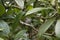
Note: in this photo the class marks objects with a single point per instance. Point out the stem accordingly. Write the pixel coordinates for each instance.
(29, 25)
(56, 5)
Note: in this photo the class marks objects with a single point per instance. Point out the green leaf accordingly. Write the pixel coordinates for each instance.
(59, 1)
(22, 34)
(1, 39)
(0, 2)
(29, 7)
(16, 10)
(20, 3)
(53, 2)
(18, 17)
(44, 27)
(13, 10)
(36, 10)
(2, 10)
(5, 28)
(10, 11)
(57, 28)
(1, 29)
(30, 1)
(48, 37)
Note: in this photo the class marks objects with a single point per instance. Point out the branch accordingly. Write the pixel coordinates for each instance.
(32, 26)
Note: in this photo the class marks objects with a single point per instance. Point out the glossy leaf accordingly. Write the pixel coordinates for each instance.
(57, 28)
(5, 28)
(53, 2)
(20, 3)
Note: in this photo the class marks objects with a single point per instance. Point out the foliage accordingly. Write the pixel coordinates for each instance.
(29, 19)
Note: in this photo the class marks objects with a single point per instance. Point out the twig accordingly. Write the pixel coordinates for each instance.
(32, 26)
(49, 34)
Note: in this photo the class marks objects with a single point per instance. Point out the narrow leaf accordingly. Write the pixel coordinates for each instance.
(48, 37)
(44, 27)
(20, 34)
(36, 10)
